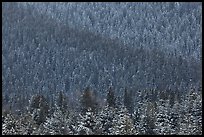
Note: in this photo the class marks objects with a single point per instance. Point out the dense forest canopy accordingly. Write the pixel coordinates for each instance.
(50, 47)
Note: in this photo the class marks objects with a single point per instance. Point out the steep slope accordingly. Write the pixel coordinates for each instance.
(42, 54)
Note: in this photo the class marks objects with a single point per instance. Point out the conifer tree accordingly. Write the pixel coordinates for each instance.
(9, 127)
(88, 101)
(58, 124)
(192, 114)
(111, 100)
(123, 124)
(38, 108)
(162, 124)
(145, 121)
(27, 126)
(174, 118)
(62, 102)
(128, 101)
(105, 118)
(86, 124)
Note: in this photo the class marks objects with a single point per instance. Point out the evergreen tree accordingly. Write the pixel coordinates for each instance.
(58, 124)
(86, 125)
(111, 100)
(38, 108)
(197, 109)
(88, 101)
(105, 118)
(138, 110)
(123, 124)
(136, 117)
(145, 119)
(128, 101)
(174, 118)
(196, 114)
(62, 102)
(184, 121)
(162, 124)
(9, 127)
(192, 114)
(27, 124)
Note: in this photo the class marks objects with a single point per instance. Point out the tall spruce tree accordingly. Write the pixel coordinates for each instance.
(87, 124)
(88, 102)
(62, 102)
(128, 101)
(57, 124)
(105, 117)
(162, 124)
(123, 123)
(111, 100)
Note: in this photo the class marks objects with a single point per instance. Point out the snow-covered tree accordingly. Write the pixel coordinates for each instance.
(144, 118)
(111, 100)
(87, 124)
(9, 126)
(49, 47)
(128, 100)
(174, 118)
(88, 101)
(62, 101)
(27, 126)
(162, 124)
(38, 108)
(105, 119)
(191, 114)
(58, 124)
(123, 123)
(197, 110)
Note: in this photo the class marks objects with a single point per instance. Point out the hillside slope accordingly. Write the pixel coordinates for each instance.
(42, 54)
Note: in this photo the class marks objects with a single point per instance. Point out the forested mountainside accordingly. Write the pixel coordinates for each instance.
(152, 49)
(152, 25)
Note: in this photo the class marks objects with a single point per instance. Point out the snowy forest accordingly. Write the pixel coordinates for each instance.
(101, 68)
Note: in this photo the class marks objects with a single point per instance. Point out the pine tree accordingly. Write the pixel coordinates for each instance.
(194, 114)
(86, 125)
(88, 101)
(196, 126)
(144, 123)
(162, 124)
(38, 108)
(9, 127)
(184, 121)
(58, 124)
(191, 114)
(26, 124)
(105, 118)
(62, 102)
(174, 118)
(111, 100)
(138, 111)
(128, 101)
(123, 124)
(197, 109)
